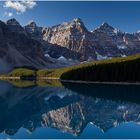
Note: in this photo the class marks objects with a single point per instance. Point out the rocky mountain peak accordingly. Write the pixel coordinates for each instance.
(78, 20)
(33, 29)
(106, 29)
(2, 23)
(15, 26)
(138, 32)
(12, 21)
(75, 40)
(78, 24)
(105, 26)
(32, 24)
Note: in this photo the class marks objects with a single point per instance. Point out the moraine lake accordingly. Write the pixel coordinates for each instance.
(55, 110)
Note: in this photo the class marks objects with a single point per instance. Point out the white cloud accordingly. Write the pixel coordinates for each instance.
(20, 6)
(9, 14)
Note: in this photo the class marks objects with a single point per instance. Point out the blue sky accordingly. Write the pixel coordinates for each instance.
(123, 15)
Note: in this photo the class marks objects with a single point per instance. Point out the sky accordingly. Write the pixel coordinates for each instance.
(122, 15)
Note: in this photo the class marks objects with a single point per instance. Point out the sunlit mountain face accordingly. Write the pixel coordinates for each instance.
(37, 38)
(62, 45)
(64, 109)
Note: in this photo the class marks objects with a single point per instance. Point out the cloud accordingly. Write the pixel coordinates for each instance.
(20, 6)
(9, 14)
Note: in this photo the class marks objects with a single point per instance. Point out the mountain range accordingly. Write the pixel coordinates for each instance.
(61, 45)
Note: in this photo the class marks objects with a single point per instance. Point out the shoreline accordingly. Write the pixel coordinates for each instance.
(73, 81)
(105, 83)
(37, 78)
(4, 78)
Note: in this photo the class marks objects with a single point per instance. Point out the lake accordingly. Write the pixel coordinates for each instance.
(51, 110)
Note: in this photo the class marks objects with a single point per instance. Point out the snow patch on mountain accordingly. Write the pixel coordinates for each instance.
(116, 30)
(123, 55)
(47, 55)
(121, 47)
(90, 59)
(100, 57)
(62, 58)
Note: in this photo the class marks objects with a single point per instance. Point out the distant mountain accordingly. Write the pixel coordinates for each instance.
(103, 42)
(54, 50)
(34, 30)
(19, 49)
(41, 47)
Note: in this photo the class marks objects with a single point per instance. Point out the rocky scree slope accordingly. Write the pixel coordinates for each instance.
(18, 49)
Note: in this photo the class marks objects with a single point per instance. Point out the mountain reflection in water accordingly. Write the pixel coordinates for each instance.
(68, 108)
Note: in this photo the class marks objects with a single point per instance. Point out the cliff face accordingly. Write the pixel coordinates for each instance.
(17, 49)
(42, 47)
(73, 36)
(101, 43)
(20, 48)
(69, 35)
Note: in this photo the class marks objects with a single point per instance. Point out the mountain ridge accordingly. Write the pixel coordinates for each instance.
(19, 49)
(103, 42)
(71, 41)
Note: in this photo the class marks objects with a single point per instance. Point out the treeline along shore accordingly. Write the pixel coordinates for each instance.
(123, 70)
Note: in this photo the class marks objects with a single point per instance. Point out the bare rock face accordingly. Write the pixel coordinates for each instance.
(74, 36)
(70, 40)
(34, 30)
(56, 51)
(50, 44)
(12, 21)
(65, 34)
(17, 49)
(114, 42)
(70, 35)
(14, 26)
(101, 43)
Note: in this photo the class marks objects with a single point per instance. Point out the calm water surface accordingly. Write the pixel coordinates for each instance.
(63, 110)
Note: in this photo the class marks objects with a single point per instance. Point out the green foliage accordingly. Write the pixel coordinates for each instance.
(41, 83)
(111, 70)
(55, 73)
(22, 83)
(45, 83)
(22, 72)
